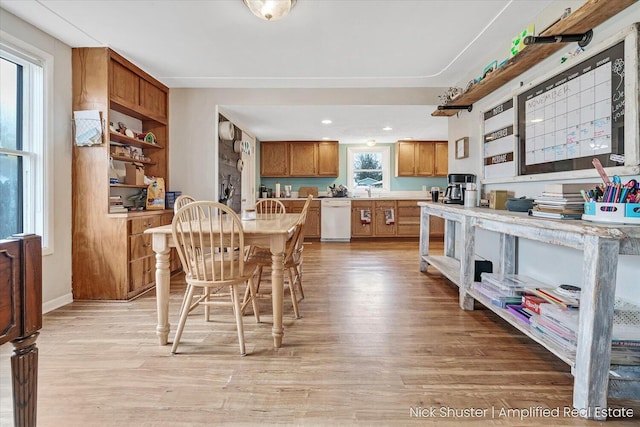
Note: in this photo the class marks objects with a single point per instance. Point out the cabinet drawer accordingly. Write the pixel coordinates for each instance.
(140, 246)
(139, 225)
(142, 273)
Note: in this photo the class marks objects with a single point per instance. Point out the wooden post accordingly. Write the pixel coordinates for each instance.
(424, 239)
(467, 246)
(593, 355)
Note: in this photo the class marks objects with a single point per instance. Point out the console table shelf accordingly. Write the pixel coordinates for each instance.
(601, 245)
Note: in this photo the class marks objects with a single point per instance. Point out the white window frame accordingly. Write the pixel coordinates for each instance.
(37, 131)
(385, 151)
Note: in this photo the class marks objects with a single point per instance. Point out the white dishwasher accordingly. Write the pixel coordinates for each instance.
(336, 220)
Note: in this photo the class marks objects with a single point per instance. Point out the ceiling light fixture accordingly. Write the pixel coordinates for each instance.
(371, 143)
(270, 10)
(387, 128)
(326, 122)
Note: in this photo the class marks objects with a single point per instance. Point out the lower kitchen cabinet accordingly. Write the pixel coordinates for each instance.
(359, 227)
(312, 227)
(384, 224)
(406, 216)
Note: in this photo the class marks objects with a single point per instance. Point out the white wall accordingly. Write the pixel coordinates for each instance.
(56, 267)
(547, 263)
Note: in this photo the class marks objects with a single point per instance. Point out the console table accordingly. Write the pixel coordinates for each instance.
(21, 318)
(601, 244)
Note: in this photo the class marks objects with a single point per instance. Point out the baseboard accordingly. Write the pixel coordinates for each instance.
(57, 303)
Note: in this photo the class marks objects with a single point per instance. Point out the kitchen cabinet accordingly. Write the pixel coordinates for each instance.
(303, 158)
(421, 158)
(358, 228)
(382, 225)
(328, 158)
(312, 227)
(408, 218)
(109, 258)
(441, 162)
(274, 159)
(299, 158)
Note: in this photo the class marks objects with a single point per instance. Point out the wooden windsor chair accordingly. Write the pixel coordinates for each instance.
(206, 235)
(292, 264)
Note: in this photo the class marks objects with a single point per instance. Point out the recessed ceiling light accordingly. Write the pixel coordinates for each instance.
(387, 128)
(326, 122)
(326, 138)
(409, 137)
(371, 142)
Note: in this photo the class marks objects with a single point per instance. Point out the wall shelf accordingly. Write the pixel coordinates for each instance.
(132, 160)
(588, 16)
(123, 139)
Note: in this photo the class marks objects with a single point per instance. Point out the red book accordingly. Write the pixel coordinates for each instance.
(533, 302)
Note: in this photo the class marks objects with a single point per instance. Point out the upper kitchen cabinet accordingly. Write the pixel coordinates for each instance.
(274, 159)
(421, 158)
(299, 158)
(303, 158)
(328, 158)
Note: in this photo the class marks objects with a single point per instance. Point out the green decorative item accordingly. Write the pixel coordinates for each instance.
(150, 138)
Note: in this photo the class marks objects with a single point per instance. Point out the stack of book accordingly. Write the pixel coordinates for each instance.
(557, 326)
(565, 296)
(116, 205)
(503, 290)
(560, 201)
(530, 308)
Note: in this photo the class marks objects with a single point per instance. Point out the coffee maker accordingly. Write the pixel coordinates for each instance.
(456, 187)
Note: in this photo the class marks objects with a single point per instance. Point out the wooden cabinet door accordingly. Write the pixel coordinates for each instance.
(380, 226)
(125, 84)
(328, 159)
(303, 158)
(153, 99)
(312, 225)
(441, 158)
(408, 218)
(358, 228)
(274, 159)
(405, 158)
(425, 157)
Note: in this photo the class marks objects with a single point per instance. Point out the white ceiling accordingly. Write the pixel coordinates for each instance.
(321, 44)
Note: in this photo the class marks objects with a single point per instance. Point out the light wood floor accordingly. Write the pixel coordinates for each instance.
(377, 340)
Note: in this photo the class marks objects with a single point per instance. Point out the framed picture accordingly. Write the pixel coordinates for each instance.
(462, 148)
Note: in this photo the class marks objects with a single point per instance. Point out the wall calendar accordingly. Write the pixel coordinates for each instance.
(578, 115)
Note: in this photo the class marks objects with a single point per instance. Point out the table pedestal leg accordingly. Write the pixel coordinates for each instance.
(163, 281)
(277, 294)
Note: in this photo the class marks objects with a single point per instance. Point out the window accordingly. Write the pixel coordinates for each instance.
(24, 191)
(368, 167)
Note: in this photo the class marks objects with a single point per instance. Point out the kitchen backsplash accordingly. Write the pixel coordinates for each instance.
(397, 184)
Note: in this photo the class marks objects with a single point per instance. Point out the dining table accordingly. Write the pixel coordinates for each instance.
(266, 230)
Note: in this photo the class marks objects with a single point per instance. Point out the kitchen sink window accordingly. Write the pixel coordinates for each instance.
(25, 172)
(368, 167)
